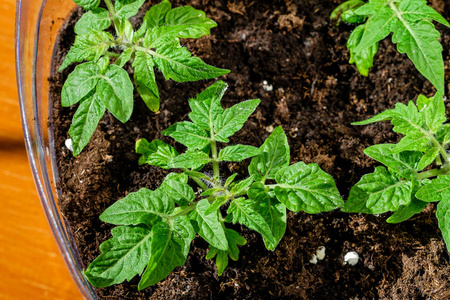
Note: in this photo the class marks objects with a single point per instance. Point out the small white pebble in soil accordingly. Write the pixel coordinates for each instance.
(313, 260)
(270, 129)
(320, 253)
(68, 144)
(351, 258)
(266, 86)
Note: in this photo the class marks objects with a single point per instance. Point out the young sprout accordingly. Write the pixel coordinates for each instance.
(155, 228)
(410, 23)
(100, 83)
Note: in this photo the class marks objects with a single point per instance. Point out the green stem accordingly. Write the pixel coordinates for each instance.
(112, 54)
(184, 211)
(215, 162)
(200, 183)
(434, 172)
(442, 150)
(110, 6)
(112, 12)
(197, 180)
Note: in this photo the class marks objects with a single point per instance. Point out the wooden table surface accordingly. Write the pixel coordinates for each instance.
(31, 266)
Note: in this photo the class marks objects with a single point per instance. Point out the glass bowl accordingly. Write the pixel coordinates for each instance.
(37, 25)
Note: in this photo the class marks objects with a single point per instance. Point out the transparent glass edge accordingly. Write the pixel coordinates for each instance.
(36, 156)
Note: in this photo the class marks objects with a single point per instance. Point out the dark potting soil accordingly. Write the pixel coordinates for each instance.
(316, 94)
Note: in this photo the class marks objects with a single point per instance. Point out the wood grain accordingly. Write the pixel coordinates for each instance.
(31, 266)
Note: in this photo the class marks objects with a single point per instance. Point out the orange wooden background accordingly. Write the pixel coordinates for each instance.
(31, 266)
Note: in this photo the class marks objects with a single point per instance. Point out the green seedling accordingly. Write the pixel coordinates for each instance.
(417, 169)
(101, 83)
(410, 22)
(156, 227)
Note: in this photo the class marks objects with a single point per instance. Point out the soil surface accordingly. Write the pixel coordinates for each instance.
(292, 46)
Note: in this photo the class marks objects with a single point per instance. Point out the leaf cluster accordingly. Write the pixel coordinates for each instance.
(410, 22)
(101, 83)
(155, 228)
(416, 170)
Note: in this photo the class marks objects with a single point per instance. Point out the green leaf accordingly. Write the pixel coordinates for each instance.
(85, 121)
(232, 119)
(230, 180)
(215, 206)
(145, 81)
(383, 116)
(442, 134)
(370, 8)
(442, 214)
(208, 226)
(275, 156)
(93, 20)
(88, 4)
(407, 120)
(177, 63)
(242, 185)
(181, 177)
(258, 191)
(141, 207)
(234, 240)
(221, 260)
(411, 143)
(206, 106)
(419, 40)
(188, 134)
(377, 27)
(437, 190)
(428, 158)
(157, 153)
(379, 192)
(272, 211)
(403, 163)
(242, 211)
(169, 249)
(125, 31)
(413, 32)
(125, 9)
(190, 160)
(180, 192)
(364, 58)
(124, 57)
(182, 22)
(413, 11)
(116, 91)
(88, 47)
(307, 188)
(103, 63)
(80, 83)
(342, 8)
(188, 22)
(423, 102)
(407, 211)
(435, 114)
(351, 17)
(238, 153)
(154, 17)
(123, 256)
